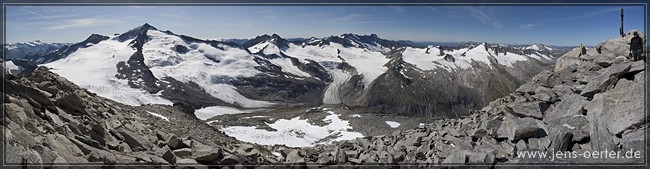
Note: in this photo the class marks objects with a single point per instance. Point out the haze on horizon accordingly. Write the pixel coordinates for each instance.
(554, 25)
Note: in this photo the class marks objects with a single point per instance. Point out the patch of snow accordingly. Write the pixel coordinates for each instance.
(254, 117)
(355, 115)
(568, 126)
(158, 115)
(12, 68)
(258, 47)
(392, 124)
(209, 112)
(295, 132)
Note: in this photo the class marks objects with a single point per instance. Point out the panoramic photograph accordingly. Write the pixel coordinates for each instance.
(322, 86)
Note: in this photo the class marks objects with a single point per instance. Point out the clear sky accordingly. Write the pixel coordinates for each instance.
(555, 25)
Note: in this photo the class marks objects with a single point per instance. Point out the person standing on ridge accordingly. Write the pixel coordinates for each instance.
(636, 46)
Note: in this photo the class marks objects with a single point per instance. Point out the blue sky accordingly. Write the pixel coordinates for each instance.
(556, 25)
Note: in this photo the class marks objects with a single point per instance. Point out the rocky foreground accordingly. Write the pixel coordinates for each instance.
(589, 102)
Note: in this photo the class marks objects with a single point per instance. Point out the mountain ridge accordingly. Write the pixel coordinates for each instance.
(270, 70)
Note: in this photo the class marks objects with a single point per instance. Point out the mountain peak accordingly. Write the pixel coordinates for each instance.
(140, 30)
(146, 26)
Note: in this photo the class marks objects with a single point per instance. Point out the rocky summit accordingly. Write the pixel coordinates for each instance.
(590, 102)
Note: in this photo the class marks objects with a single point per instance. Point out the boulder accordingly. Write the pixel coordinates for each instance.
(637, 66)
(605, 60)
(123, 147)
(561, 141)
(521, 128)
(169, 156)
(341, 156)
(526, 109)
(634, 141)
(457, 157)
(53, 118)
(183, 152)
(295, 157)
(624, 107)
(606, 79)
(175, 143)
(527, 88)
(577, 125)
(570, 105)
(102, 156)
(135, 141)
(545, 94)
(600, 137)
(205, 154)
(480, 158)
(17, 155)
(72, 103)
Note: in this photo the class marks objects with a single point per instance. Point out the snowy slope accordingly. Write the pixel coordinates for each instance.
(197, 66)
(93, 68)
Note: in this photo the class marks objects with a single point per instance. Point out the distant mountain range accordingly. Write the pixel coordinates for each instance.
(146, 65)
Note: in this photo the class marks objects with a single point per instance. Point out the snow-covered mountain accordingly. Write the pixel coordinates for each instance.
(22, 50)
(146, 65)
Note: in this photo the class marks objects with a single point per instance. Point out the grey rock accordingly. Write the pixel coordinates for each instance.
(624, 107)
(640, 77)
(102, 156)
(544, 143)
(526, 128)
(53, 118)
(230, 160)
(605, 80)
(135, 141)
(205, 154)
(605, 60)
(295, 157)
(561, 141)
(183, 152)
(123, 147)
(72, 103)
(577, 125)
(634, 141)
(637, 66)
(386, 158)
(480, 158)
(17, 154)
(600, 137)
(478, 133)
(169, 156)
(570, 105)
(458, 157)
(86, 149)
(521, 145)
(562, 90)
(545, 94)
(175, 143)
(187, 161)
(505, 129)
(61, 144)
(527, 88)
(526, 109)
(341, 156)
